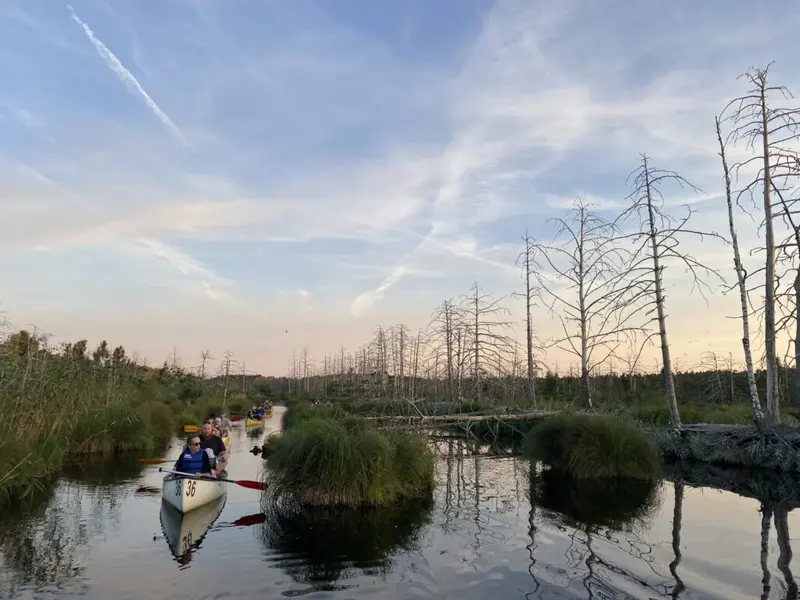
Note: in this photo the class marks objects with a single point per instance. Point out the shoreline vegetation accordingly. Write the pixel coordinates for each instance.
(62, 405)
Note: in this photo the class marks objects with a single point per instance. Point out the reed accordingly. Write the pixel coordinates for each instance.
(60, 405)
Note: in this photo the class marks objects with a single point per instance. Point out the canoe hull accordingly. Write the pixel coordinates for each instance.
(186, 494)
(254, 422)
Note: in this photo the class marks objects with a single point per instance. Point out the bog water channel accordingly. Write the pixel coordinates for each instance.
(483, 536)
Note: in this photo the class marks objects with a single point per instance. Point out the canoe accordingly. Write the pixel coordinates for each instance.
(254, 422)
(227, 441)
(188, 493)
(185, 532)
(235, 419)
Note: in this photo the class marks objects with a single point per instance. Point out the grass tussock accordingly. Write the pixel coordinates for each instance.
(593, 446)
(321, 461)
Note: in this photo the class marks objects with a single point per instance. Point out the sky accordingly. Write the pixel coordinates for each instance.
(260, 177)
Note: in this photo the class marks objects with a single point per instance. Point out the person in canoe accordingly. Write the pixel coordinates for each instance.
(194, 460)
(214, 446)
(225, 424)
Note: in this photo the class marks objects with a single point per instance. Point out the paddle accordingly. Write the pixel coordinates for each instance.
(246, 521)
(152, 461)
(246, 483)
(190, 429)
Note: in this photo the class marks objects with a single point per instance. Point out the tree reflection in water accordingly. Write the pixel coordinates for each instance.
(321, 546)
(39, 544)
(585, 509)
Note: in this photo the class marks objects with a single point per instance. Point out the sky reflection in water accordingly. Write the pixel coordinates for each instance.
(481, 537)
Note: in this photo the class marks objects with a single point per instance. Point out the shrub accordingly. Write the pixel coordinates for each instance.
(590, 446)
(325, 462)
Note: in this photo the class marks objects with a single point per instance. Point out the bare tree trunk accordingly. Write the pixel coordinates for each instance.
(527, 265)
(669, 382)
(773, 414)
(758, 415)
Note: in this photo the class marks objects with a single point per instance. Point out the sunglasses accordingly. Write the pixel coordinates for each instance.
(195, 444)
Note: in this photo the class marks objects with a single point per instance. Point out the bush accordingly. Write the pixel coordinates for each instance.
(589, 446)
(325, 462)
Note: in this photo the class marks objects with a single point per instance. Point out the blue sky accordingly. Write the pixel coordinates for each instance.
(208, 174)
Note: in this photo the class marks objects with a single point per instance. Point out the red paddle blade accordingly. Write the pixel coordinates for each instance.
(151, 461)
(249, 483)
(250, 520)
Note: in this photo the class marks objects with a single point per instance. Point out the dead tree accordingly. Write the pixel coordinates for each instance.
(526, 262)
(485, 324)
(582, 279)
(658, 236)
(769, 132)
(445, 333)
(741, 278)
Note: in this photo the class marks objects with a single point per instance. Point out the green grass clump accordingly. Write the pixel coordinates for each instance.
(593, 446)
(327, 462)
(300, 412)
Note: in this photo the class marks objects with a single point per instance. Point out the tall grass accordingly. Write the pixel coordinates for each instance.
(321, 461)
(593, 446)
(60, 405)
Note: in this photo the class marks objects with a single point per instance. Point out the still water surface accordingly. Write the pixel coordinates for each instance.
(97, 538)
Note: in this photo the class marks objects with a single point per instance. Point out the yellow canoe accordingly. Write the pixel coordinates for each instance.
(253, 422)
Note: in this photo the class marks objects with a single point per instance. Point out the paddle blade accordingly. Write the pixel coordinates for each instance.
(148, 489)
(151, 461)
(250, 520)
(190, 429)
(249, 483)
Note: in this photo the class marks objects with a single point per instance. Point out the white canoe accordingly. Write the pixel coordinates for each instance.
(184, 532)
(188, 493)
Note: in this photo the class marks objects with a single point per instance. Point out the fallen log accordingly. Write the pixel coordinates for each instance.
(426, 419)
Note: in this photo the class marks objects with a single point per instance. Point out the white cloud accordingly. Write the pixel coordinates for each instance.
(127, 77)
(408, 180)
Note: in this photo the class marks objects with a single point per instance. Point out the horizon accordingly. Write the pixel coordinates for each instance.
(261, 179)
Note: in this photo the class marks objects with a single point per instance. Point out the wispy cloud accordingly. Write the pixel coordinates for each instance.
(127, 77)
(197, 276)
(344, 171)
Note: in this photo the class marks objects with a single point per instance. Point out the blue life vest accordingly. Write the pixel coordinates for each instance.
(192, 463)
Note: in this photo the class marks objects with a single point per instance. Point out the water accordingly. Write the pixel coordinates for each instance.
(97, 538)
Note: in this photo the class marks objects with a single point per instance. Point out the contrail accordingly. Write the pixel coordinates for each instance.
(127, 77)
